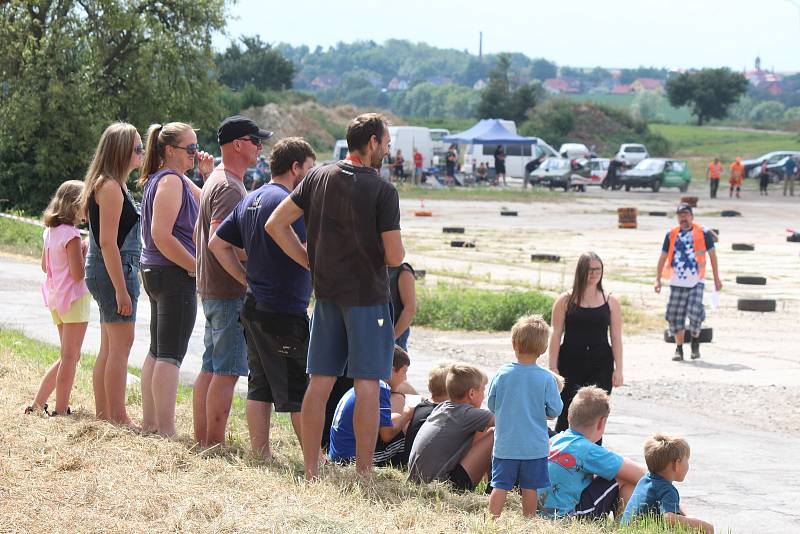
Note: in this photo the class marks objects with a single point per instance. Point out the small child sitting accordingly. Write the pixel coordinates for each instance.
(393, 421)
(588, 480)
(455, 443)
(667, 461)
(437, 387)
(522, 396)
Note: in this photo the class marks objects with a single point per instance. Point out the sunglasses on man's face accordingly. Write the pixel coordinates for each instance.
(190, 149)
(139, 149)
(257, 141)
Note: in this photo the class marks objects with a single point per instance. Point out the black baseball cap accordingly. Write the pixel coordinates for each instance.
(236, 127)
(683, 206)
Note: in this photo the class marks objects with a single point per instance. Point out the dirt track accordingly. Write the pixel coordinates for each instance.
(749, 375)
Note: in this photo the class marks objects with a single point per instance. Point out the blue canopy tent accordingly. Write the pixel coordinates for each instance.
(488, 132)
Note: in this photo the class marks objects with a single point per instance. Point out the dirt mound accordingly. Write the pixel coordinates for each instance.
(319, 125)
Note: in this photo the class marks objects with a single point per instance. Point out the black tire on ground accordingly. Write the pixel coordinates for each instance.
(508, 213)
(756, 305)
(657, 213)
(752, 280)
(627, 188)
(655, 186)
(453, 230)
(743, 246)
(684, 188)
(706, 335)
(794, 238)
(546, 257)
(457, 244)
(730, 213)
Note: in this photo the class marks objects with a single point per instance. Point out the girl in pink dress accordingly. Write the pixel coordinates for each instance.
(64, 292)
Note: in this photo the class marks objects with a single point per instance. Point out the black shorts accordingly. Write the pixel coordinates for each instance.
(598, 499)
(391, 452)
(173, 310)
(277, 348)
(460, 479)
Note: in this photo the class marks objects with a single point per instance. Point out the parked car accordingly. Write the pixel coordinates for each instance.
(656, 173)
(774, 160)
(573, 151)
(631, 154)
(589, 172)
(554, 172)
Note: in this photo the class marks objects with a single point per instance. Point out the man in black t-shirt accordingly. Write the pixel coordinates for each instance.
(352, 220)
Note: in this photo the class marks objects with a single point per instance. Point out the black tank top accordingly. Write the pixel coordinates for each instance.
(127, 219)
(394, 289)
(587, 327)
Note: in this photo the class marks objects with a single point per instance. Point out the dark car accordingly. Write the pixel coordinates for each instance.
(776, 170)
(752, 166)
(657, 172)
(553, 172)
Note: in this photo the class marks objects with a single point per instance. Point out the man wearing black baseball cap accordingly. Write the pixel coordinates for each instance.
(225, 356)
(683, 260)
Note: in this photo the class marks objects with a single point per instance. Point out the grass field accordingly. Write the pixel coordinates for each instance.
(77, 474)
(21, 238)
(671, 114)
(708, 142)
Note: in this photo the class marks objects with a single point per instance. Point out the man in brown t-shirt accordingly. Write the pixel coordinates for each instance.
(352, 219)
(225, 356)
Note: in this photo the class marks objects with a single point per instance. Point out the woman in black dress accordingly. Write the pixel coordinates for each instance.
(585, 316)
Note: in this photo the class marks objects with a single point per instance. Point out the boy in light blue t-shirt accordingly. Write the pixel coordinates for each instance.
(522, 396)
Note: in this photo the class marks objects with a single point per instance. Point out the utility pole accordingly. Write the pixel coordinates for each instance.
(480, 47)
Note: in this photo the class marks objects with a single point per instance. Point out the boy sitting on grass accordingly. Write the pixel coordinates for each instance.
(437, 387)
(587, 479)
(655, 495)
(522, 396)
(394, 417)
(455, 443)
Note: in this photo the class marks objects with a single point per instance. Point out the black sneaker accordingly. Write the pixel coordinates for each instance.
(695, 348)
(678, 354)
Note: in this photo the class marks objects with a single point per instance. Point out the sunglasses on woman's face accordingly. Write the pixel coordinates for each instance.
(596, 270)
(190, 149)
(139, 149)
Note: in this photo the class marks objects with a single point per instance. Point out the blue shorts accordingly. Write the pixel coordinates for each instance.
(530, 474)
(226, 352)
(357, 338)
(99, 283)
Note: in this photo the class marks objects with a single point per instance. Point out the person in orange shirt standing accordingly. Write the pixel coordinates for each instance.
(713, 173)
(737, 177)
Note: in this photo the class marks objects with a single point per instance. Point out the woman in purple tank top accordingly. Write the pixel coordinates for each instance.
(169, 212)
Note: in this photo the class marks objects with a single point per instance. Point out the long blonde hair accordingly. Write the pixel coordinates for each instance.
(111, 158)
(65, 204)
(157, 138)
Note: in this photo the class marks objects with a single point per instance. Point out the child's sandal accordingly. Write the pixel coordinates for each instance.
(55, 413)
(31, 409)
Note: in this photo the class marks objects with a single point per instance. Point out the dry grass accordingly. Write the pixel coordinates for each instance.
(77, 474)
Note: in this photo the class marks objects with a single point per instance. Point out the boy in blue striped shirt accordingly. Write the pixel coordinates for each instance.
(522, 396)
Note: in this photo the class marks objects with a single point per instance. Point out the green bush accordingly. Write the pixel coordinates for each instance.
(448, 307)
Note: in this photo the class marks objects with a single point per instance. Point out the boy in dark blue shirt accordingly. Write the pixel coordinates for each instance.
(667, 460)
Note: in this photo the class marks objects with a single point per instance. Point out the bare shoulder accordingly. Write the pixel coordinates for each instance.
(107, 189)
(563, 298)
(613, 302)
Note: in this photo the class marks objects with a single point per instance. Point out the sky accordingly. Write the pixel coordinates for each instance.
(578, 33)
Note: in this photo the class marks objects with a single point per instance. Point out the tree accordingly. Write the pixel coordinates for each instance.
(69, 68)
(258, 64)
(710, 92)
(523, 100)
(768, 112)
(648, 106)
(541, 69)
(495, 96)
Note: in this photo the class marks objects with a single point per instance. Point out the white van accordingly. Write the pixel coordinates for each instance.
(340, 149)
(516, 156)
(406, 139)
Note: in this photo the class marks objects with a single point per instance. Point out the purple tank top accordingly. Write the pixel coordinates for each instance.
(183, 229)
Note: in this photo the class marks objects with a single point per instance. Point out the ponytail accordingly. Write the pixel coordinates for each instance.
(154, 153)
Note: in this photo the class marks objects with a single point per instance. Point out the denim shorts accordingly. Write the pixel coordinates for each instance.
(173, 310)
(226, 352)
(99, 283)
(530, 474)
(357, 338)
